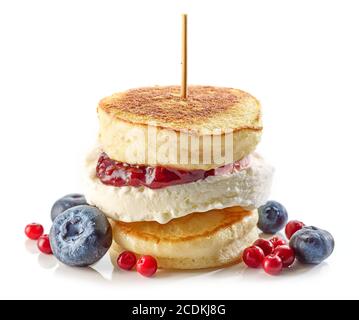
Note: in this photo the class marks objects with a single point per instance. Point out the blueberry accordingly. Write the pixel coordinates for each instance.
(272, 217)
(312, 245)
(67, 202)
(80, 236)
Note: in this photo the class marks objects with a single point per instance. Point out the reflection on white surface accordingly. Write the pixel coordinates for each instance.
(82, 274)
(104, 280)
(47, 261)
(31, 246)
(297, 270)
(105, 272)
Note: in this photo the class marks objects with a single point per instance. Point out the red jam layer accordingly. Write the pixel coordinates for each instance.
(119, 174)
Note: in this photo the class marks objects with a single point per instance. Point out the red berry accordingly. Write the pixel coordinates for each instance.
(272, 264)
(147, 266)
(126, 260)
(265, 245)
(278, 241)
(292, 227)
(34, 231)
(44, 244)
(253, 257)
(286, 254)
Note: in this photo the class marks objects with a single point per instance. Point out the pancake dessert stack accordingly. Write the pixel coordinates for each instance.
(179, 179)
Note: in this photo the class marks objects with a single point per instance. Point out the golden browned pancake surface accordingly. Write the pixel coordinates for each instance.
(190, 227)
(204, 105)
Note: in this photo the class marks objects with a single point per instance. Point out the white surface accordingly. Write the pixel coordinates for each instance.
(300, 58)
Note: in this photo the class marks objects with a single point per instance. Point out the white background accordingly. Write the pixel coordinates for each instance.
(300, 58)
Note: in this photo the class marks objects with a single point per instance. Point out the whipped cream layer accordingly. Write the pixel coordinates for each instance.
(248, 188)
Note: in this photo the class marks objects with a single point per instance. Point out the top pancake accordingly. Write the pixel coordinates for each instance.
(205, 109)
(155, 126)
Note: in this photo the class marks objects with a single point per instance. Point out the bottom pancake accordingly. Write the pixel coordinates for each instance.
(198, 241)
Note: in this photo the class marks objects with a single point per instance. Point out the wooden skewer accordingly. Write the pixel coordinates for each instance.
(184, 57)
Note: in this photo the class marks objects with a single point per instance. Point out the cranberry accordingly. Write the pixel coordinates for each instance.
(278, 241)
(120, 174)
(34, 231)
(147, 266)
(44, 244)
(253, 257)
(265, 245)
(126, 260)
(286, 254)
(292, 227)
(272, 264)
